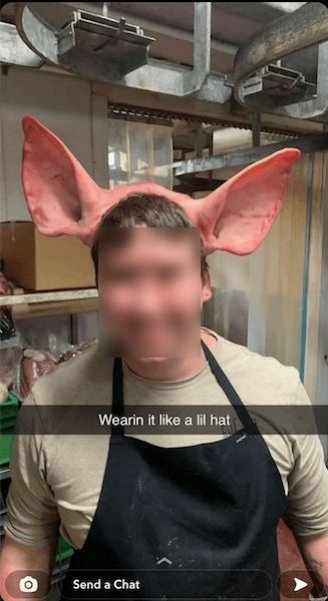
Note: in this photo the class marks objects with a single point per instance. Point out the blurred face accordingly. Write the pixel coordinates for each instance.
(151, 292)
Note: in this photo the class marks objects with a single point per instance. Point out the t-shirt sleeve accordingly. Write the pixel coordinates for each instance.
(307, 513)
(32, 516)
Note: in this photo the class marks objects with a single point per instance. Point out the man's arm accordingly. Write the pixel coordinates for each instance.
(31, 523)
(315, 553)
(18, 557)
(307, 513)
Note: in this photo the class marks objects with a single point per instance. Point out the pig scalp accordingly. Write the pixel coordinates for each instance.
(62, 198)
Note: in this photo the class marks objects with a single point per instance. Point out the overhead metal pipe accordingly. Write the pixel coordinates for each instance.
(294, 31)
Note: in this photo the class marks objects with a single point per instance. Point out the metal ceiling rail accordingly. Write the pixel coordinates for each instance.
(68, 49)
(287, 34)
(62, 49)
(105, 49)
(246, 156)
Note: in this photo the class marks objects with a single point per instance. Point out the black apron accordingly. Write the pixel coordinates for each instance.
(196, 522)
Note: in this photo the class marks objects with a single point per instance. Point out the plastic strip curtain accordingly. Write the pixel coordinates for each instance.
(139, 152)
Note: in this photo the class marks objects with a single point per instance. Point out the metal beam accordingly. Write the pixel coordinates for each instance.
(156, 76)
(192, 108)
(166, 78)
(189, 184)
(201, 48)
(240, 158)
(14, 51)
(256, 128)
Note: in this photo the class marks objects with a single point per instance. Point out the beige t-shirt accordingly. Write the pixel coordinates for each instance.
(56, 479)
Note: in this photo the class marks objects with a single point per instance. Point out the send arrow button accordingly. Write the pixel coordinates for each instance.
(296, 584)
(299, 584)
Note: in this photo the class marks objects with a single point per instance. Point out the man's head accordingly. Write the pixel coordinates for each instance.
(152, 275)
(63, 199)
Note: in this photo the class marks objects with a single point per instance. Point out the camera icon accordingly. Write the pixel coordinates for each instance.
(28, 584)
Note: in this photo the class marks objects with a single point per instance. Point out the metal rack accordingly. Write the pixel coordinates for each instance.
(105, 49)
(47, 297)
(32, 305)
(38, 304)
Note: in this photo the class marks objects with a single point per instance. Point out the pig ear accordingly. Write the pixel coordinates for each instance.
(237, 216)
(58, 190)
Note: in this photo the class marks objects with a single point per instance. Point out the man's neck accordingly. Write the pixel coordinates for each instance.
(172, 369)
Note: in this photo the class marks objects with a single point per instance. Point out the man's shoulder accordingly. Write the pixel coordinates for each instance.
(262, 374)
(78, 380)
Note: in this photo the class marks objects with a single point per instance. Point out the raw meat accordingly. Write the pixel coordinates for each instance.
(33, 365)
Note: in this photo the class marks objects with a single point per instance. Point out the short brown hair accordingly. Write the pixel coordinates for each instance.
(150, 209)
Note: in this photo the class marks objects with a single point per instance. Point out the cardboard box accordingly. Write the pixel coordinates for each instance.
(38, 262)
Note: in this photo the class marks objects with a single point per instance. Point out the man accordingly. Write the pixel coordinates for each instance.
(164, 498)
(167, 515)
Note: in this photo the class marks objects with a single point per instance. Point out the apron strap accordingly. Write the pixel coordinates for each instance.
(229, 390)
(117, 396)
(223, 381)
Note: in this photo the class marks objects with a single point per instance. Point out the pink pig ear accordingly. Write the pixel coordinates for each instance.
(63, 199)
(59, 192)
(238, 215)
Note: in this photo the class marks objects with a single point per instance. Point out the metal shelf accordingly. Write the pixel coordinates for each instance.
(4, 473)
(48, 297)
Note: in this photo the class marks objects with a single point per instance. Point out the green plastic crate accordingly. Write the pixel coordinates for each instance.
(8, 413)
(64, 549)
(5, 448)
(8, 425)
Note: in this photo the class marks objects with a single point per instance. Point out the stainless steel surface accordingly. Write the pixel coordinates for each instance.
(201, 48)
(156, 76)
(167, 78)
(173, 35)
(249, 155)
(78, 50)
(232, 25)
(14, 51)
(61, 50)
(82, 48)
(36, 33)
(103, 39)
